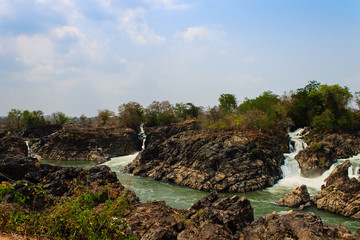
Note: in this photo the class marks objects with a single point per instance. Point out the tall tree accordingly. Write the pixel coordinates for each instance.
(227, 102)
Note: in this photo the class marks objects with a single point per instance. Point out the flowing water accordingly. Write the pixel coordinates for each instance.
(263, 201)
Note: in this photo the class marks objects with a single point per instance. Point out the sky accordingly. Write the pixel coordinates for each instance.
(79, 57)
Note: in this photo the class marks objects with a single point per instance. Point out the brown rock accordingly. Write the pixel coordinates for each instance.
(341, 194)
(292, 225)
(295, 198)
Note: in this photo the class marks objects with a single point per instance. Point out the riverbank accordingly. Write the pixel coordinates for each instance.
(213, 217)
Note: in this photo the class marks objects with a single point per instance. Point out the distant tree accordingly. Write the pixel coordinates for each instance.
(60, 118)
(32, 119)
(83, 118)
(105, 115)
(227, 103)
(188, 110)
(131, 115)
(13, 121)
(159, 113)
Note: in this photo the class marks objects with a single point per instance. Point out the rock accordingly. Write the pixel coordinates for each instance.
(324, 151)
(295, 198)
(27, 175)
(11, 146)
(91, 145)
(226, 161)
(212, 217)
(292, 225)
(341, 194)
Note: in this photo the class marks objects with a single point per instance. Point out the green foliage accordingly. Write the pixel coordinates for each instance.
(60, 118)
(105, 115)
(159, 114)
(227, 103)
(316, 146)
(76, 217)
(263, 111)
(185, 111)
(322, 106)
(131, 115)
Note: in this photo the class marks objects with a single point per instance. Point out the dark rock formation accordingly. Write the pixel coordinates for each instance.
(292, 225)
(231, 161)
(341, 194)
(92, 145)
(27, 175)
(13, 147)
(211, 218)
(295, 198)
(323, 151)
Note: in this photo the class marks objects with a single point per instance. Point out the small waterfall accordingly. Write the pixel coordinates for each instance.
(142, 136)
(29, 149)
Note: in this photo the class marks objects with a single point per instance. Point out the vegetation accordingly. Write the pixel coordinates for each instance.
(79, 216)
(322, 107)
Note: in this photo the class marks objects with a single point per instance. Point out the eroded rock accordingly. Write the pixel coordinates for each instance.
(341, 194)
(227, 161)
(323, 151)
(292, 225)
(295, 198)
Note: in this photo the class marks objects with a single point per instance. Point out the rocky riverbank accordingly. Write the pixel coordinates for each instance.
(324, 149)
(97, 145)
(340, 194)
(213, 217)
(227, 161)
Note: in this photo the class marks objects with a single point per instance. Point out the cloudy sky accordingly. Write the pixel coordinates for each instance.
(79, 56)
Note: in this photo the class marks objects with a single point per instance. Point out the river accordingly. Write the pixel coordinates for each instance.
(263, 201)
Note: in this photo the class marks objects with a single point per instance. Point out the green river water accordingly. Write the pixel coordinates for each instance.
(263, 201)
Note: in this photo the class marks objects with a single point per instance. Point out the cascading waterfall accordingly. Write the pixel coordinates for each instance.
(291, 171)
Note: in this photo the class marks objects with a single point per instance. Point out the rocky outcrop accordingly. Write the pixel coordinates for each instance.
(341, 194)
(27, 175)
(292, 225)
(11, 146)
(91, 145)
(324, 150)
(229, 161)
(295, 198)
(213, 217)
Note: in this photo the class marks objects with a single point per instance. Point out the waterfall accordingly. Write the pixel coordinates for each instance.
(118, 163)
(29, 149)
(142, 136)
(291, 171)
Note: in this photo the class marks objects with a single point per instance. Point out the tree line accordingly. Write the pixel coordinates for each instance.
(323, 107)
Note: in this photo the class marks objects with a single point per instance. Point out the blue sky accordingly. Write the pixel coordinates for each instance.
(82, 56)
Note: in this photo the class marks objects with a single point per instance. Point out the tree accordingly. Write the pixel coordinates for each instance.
(131, 115)
(60, 118)
(357, 99)
(159, 113)
(184, 111)
(105, 115)
(13, 120)
(32, 119)
(227, 102)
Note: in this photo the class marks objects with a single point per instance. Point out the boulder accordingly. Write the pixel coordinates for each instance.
(295, 198)
(12, 146)
(340, 194)
(292, 225)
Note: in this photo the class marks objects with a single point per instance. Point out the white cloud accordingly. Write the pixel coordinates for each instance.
(251, 58)
(68, 31)
(198, 33)
(167, 4)
(35, 50)
(136, 28)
